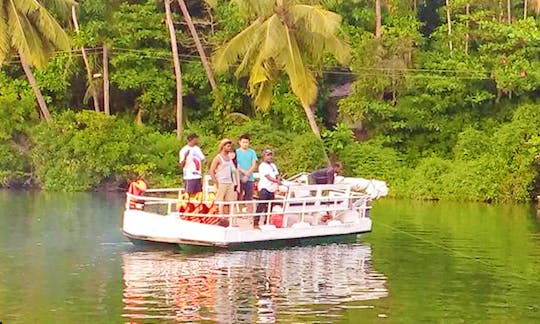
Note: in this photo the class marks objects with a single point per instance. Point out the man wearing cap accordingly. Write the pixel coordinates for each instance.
(268, 183)
(222, 172)
(191, 158)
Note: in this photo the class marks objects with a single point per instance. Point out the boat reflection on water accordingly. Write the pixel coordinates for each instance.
(312, 282)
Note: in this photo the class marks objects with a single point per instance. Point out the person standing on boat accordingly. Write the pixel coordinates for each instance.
(222, 171)
(268, 183)
(247, 163)
(326, 175)
(191, 159)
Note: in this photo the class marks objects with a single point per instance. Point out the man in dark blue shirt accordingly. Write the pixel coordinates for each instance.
(326, 175)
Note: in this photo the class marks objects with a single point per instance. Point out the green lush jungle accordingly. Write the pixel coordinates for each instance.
(438, 98)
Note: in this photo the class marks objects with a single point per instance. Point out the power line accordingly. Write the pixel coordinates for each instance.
(369, 71)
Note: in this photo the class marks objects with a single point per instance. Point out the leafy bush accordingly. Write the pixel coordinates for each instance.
(498, 165)
(371, 160)
(337, 139)
(79, 150)
(303, 153)
(471, 144)
(17, 114)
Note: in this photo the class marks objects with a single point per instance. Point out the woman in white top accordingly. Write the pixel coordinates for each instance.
(268, 183)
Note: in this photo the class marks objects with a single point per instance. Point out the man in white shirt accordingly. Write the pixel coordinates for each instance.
(268, 183)
(191, 159)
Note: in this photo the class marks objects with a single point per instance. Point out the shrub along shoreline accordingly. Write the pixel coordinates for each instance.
(84, 151)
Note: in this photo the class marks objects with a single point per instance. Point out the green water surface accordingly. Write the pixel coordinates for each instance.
(63, 260)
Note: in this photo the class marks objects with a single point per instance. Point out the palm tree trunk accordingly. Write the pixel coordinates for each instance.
(467, 35)
(315, 129)
(449, 24)
(312, 121)
(86, 63)
(378, 19)
(106, 84)
(508, 9)
(198, 44)
(501, 11)
(33, 83)
(177, 71)
(525, 7)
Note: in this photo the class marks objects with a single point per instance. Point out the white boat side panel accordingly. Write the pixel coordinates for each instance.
(171, 228)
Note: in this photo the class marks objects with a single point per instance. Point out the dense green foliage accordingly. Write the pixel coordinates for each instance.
(436, 114)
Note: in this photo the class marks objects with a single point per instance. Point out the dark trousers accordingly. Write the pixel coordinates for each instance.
(263, 207)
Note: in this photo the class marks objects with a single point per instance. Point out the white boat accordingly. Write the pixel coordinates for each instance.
(301, 213)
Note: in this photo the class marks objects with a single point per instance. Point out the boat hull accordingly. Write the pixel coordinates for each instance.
(144, 227)
(149, 243)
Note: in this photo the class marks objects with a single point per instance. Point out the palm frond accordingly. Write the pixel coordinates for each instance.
(302, 80)
(263, 95)
(273, 42)
(62, 8)
(339, 48)
(247, 61)
(271, 30)
(258, 74)
(49, 27)
(19, 39)
(255, 8)
(316, 18)
(261, 82)
(4, 35)
(319, 33)
(34, 31)
(229, 53)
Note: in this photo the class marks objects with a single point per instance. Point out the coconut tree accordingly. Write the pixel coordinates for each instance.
(30, 30)
(378, 19)
(177, 70)
(449, 24)
(89, 74)
(284, 36)
(106, 84)
(198, 44)
(535, 4)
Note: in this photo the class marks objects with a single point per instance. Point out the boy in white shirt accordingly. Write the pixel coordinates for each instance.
(268, 183)
(191, 159)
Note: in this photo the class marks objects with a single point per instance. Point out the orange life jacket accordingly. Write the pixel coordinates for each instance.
(182, 204)
(136, 188)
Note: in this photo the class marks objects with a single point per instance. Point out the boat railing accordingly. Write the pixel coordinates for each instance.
(300, 200)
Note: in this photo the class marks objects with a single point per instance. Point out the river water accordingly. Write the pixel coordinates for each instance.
(63, 260)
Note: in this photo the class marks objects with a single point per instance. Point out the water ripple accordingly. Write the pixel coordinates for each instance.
(250, 286)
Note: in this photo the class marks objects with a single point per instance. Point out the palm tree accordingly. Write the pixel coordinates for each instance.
(378, 19)
(106, 84)
(202, 54)
(449, 24)
(177, 70)
(30, 30)
(284, 35)
(89, 74)
(535, 5)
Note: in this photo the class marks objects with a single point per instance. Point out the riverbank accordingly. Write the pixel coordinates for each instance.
(85, 151)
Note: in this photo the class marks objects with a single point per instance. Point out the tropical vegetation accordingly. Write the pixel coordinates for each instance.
(438, 98)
